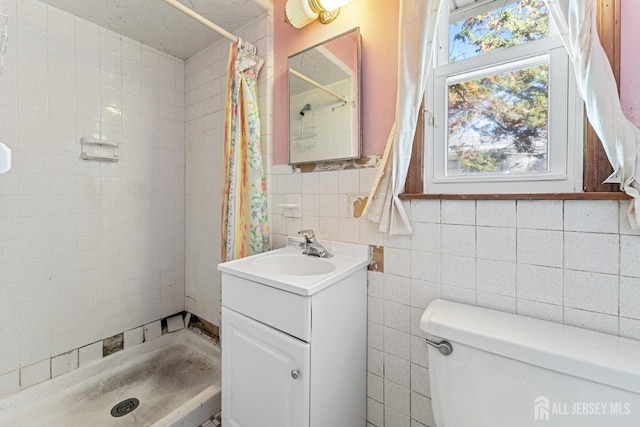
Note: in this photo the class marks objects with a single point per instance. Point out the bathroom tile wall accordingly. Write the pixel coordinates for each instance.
(87, 249)
(572, 262)
(205, 99)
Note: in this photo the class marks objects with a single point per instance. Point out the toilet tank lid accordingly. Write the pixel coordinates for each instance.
(596, 356)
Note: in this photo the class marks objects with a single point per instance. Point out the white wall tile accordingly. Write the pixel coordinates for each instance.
(64, 363)
(591, 215)
(542, 284)
(397, 261)
(330, 205)
(133, 337)
(375, 283)
(397, 316)
(590, 320)
(375, 387)
(459, 240)
(591, 252)
(630, 328)
(496, 243)
(629, 250)
(496, 302)
(420, 380)
(328, 182)
(630, 297)
(34, 374)
(397, 343)
(310, 183)
(294, 183)
(540, 247)
(426, 237)
(375, 310)
(375, 413)
(395, 418)
(421, 409)
(152, 331)
(461, 295)
(539, 310)
(496, 277)
(9, 382)
(540, 214)
(415, 318)
(349, 181)
(419, 353)
(459, 271)
(75, 209)
(375, 336)
(496, 213)
(90, 353)
(349, 230)
(458, 212)
(397, 289)
(591, 291)
(397, 397)
(375, 361)
(425, 211)
(397, 370)
(423, 292)
(426, 266)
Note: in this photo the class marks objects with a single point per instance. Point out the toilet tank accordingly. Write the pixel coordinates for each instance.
(513, 371)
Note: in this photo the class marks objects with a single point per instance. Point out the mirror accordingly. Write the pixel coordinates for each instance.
(324, 101)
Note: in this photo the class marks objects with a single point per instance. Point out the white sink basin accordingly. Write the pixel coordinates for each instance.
(288, 269)
(295, 265)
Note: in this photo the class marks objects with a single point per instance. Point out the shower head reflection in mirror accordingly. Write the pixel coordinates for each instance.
(305, 109)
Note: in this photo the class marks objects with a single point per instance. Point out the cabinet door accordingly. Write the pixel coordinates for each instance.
(265, 375)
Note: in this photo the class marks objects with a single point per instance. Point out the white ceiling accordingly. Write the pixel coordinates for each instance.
(314, 64)
(157, 24)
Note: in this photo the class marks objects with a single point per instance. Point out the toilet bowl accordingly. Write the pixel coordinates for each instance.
(505, 370)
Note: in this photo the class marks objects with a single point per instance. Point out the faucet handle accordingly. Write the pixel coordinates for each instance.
(309, 235)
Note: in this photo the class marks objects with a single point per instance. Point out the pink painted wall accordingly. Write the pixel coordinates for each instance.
(630, 61)
(342, 48)
(379, 29)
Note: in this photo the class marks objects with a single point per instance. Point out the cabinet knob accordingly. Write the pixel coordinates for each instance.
(295, 374)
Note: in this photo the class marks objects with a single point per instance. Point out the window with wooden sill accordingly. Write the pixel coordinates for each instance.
(596, 167)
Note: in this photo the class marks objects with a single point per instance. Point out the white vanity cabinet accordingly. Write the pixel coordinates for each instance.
(267, 374)
(294, 357)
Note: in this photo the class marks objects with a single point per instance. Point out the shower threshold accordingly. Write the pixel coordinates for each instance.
(173, 380)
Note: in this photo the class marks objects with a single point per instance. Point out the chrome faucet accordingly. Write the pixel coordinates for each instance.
(312, 246)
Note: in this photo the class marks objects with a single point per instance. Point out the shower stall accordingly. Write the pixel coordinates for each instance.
(92, 251)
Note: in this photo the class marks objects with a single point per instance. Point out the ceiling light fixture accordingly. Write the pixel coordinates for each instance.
(302, 12)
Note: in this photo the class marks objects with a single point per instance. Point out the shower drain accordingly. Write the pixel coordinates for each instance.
(124, 407)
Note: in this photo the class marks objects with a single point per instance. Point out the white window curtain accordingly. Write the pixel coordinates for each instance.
(596, 83)
(576, 20)
(418, 20)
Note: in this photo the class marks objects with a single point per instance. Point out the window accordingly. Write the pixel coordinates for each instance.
(505, 113)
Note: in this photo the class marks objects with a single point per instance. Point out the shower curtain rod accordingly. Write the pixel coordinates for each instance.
(203, 20)
(318, 85)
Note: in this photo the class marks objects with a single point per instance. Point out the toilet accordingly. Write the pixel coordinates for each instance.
(494, 369)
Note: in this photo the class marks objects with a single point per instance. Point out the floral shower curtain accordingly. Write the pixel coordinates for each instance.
(244, 199)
